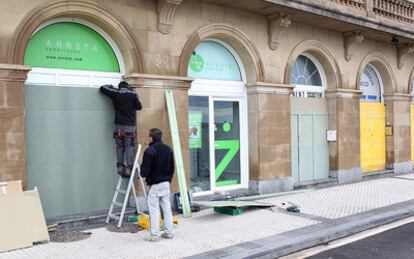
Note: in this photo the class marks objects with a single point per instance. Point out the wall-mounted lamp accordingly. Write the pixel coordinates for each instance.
(395, 39)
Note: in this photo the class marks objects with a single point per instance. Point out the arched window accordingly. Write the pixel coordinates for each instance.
(213, 60)
(70, 45)
(307, 77)
(371, 85)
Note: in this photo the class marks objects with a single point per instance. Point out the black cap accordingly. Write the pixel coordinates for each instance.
(123, 84)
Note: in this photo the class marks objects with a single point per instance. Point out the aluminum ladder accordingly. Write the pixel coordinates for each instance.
(120, 216)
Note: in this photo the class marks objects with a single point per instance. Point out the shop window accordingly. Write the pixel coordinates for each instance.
(307, 78)
(371, 85)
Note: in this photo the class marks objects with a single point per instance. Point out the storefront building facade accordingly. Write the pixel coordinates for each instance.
(269, 94)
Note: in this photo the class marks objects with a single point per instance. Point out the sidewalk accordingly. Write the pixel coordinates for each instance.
(326, 214)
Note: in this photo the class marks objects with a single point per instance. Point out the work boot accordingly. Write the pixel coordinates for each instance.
(128, 171)
(151, 238)
(121, 169)
(167, 236)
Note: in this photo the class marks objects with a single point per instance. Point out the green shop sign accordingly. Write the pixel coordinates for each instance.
(211, 60)
(70, 46)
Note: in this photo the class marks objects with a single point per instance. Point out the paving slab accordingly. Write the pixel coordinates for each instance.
(327, 214)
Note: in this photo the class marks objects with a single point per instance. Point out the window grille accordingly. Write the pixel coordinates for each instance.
(307, 78)
(370, 85)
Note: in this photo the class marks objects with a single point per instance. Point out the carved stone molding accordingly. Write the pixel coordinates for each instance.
(402, 50)
(277, 23)
(269, 88)
(13, 73)
(158, 81)
(350, 39)
(166, 11)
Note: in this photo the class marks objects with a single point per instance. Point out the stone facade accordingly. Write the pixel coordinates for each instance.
(156, 54)
(12, 130)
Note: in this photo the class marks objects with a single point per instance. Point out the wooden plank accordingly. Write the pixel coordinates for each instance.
(236, 204)
(270, 195)
(10, 187)
(22, 221)
(179, 165)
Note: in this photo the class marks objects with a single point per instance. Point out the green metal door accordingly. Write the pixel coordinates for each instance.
(310, 152)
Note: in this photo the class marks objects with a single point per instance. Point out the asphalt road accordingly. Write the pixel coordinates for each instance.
(394, 243)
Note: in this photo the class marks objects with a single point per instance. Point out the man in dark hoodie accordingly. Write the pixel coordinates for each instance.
(158, 169)
(126, 103)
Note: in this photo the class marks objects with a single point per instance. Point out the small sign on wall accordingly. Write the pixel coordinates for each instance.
(388, 130)
(331, 135)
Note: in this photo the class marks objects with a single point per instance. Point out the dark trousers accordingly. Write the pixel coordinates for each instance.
(125, 142)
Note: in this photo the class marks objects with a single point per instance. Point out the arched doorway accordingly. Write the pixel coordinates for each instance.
(68, 122)
(309, 120)
(372, 120)
(217, 119)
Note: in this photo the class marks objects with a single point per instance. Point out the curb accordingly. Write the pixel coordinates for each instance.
(307, 237)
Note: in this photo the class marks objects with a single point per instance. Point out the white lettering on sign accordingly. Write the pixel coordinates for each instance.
(70, 46)
(77, 46)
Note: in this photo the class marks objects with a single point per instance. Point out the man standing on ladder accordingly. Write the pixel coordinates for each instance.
(158, 169)
(126, 102)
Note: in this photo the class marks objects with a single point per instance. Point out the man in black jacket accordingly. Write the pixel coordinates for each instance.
(158, 169)
(126, 103)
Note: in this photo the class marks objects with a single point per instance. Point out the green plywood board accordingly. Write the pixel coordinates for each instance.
(229, 210)
(70, 148)
(179, 164)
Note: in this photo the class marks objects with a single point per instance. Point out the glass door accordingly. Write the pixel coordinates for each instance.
(199, 143)
(226, 147)
(215, 147)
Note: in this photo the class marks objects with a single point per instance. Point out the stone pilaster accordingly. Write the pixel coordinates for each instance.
(154, 114)
(269, 137)
(398, 151)
(12, 126)
(344, 153)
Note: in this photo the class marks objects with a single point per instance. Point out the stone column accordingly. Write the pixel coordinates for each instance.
(154, 114)
(344, 153)
(12, 126)
(369, 8)
(398, 145)
(269, 137)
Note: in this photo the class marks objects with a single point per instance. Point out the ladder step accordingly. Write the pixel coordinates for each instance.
(114, 217)
(117, 204)
(121, 191)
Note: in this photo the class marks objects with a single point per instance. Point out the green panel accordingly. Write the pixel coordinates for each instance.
(70, 46)
(71, 157)
(72, 187)
(305, 148)
(211, 60)
(321, 149)
(308, 105)
(227, 143)
(295, 147)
